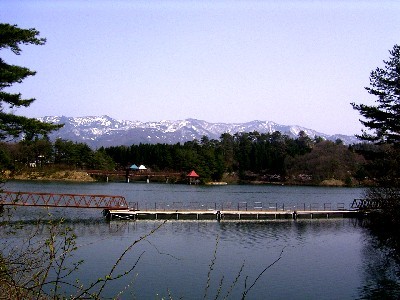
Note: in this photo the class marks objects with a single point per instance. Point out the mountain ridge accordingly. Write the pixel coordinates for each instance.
(98, 131)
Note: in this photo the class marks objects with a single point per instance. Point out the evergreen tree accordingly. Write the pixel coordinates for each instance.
(383, 119)
(383, 122)
(11, 37)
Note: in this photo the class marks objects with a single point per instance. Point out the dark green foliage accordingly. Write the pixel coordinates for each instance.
(5, 159)
(80, 155)
(43, 153)
(70, 153)
(383, 123)
(254, 156)
(383, 119)
(11, 37)
(249, 156)
(99, 160)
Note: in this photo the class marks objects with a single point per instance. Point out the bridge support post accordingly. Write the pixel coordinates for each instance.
(127, 176)
(218, 215)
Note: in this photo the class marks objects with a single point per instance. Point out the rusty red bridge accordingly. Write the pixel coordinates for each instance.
(62, 200)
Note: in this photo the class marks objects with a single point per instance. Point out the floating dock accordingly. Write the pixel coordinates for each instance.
(219, 215)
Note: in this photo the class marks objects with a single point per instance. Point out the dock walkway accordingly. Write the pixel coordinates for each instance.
(227, 215)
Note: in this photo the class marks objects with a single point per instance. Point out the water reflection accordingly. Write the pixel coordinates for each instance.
(321, 258)
(380, 273)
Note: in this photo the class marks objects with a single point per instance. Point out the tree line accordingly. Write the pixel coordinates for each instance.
(42, 153)
(253, 156)
(247, 157)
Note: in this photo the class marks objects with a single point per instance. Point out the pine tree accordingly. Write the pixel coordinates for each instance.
(383, 119)
(11, 125)
(383, 123)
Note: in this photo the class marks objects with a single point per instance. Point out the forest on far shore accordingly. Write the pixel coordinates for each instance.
(241, 158)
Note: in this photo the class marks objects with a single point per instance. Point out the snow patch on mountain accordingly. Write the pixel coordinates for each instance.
(105, 131)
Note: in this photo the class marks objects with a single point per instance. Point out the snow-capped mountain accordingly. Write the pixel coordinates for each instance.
(106, 131)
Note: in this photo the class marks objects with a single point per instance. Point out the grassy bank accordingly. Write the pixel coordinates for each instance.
(65, 175)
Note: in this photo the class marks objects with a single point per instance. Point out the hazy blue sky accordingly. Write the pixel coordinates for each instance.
(291, 62)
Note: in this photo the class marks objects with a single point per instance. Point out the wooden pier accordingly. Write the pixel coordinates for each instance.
(219, 215)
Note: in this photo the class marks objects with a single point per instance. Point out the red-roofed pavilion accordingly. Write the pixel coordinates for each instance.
(193, 177)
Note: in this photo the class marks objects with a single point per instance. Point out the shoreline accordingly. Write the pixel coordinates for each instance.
(83, 176)
(68, 176)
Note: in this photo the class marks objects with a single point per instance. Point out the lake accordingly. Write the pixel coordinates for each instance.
(303, 259)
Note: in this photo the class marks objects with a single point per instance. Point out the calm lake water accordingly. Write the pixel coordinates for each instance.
(319, 259)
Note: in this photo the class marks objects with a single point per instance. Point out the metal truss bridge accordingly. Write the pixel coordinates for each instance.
(62, 200)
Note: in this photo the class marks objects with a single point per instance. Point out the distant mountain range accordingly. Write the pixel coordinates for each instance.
(106, 131)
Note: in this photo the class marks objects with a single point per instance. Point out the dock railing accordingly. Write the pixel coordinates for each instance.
(236, 206)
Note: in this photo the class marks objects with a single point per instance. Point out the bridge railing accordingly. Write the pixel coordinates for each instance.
(372, 203)
(131, 173)
(62, 200)
(235, 206)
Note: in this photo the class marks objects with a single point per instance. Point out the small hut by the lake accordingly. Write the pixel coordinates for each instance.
(134, 167)
(193, 177)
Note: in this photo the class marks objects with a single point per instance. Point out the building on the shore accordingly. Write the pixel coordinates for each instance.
(134, 167)
(193, 177)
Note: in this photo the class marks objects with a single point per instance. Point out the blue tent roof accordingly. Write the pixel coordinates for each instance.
(134, 167)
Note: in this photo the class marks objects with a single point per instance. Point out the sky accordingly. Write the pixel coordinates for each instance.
(292, 62)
